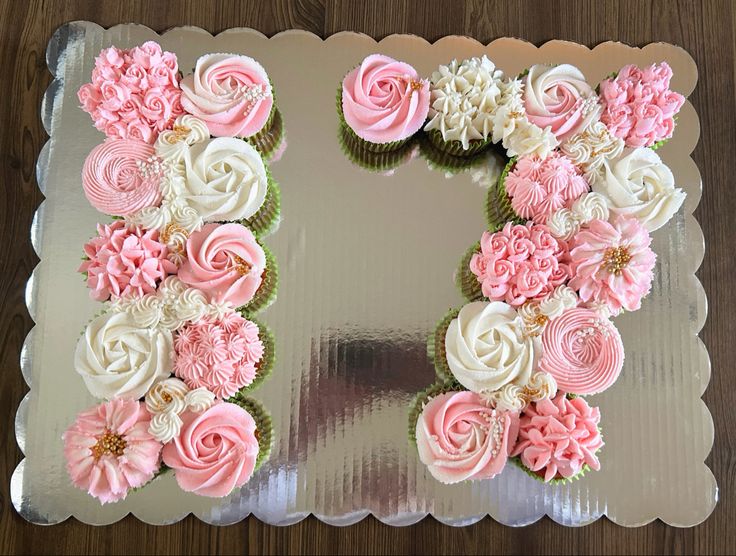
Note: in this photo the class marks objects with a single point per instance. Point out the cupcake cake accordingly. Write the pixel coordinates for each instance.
(383, 103)
(233, 95)
(464, 99)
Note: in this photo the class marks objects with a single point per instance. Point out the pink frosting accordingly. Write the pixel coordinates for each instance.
(384, 100)
(219, 354)
(459, 437)
(557, 437)
(134, 94)
(538, 187)
(638, 105)
(520, 263)
(230, 93)
(124, 261)
(121, 176)
(215, 452)
(555, 97)
(582, 351)
(104, 474)
(598, 278)
(224, 261)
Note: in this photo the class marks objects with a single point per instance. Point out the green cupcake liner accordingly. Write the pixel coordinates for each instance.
(436, 347)
(441, 160)
(269, 138)
(366, 145)
(264, 427)
(369, 160)
(266, 293)
(466, 281)
(455, 147)
(421, 399)
(266, 219)
(498, 204)
(561, 481)
(267, 362)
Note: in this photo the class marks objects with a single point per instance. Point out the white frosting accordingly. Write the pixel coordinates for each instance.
(464, 98)
(225, 179)
(639, 184)
(590, 148)
(564, 223)
(510, 125)
(167, 399)
(512, 397)
(117, 357)
(173, 144)
(170, 307)
(561, 299)
(487, 347)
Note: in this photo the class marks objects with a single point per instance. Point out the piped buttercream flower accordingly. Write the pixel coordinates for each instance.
(109, 450)
(167, 400)
(558, 437)
(219, 354)
(460, 437)
(124, 261)
(612, 263)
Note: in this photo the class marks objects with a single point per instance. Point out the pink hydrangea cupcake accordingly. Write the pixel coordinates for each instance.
(383, 103)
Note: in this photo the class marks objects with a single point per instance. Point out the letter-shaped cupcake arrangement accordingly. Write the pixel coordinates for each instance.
(567, 248)
(181, 269)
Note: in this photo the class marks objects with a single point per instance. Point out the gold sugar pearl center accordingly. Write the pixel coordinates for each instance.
(180, 132)
(541, 319)
(171, 229)
(415, 85)
(166, 397)
(109, 443)
(242, 266)
(615, 259)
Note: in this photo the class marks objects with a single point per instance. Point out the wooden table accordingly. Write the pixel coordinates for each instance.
(706, 29)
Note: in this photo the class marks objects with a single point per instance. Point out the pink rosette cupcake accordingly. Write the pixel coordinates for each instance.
(225, 262)
(519, 263)
(638, 105)
(122, 176)
(612, 263)
(460, 437)
(220, 354)
(558, 97)
(231, 93)
(124, 261)
(538, 187)
(383, 102)
(215, 451)
(134, 94)
(582, 351)
(109, 450)
(559, 438)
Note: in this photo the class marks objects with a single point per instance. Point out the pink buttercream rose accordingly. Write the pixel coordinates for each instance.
(124, 261)
(109, 450)
(132, 90)
(220, 354)
(225, 262)
(230, 93)
(520, 263)
(119, 178)
(215, 451)
(612, 263)
(558, 97)
(638, 105)
(558, 437)
(384, 100)
(582, 351)
(460, 437)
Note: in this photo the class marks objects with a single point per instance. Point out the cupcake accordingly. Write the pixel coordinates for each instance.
(464, 99)
(233, 95)
(383, 102)
(380, 162)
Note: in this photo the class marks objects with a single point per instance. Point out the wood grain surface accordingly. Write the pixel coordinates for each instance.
(706, 29)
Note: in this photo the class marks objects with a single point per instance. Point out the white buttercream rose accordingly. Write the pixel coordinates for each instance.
(639, 184)
(118, 358)
(487, 347)
(225, 179)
